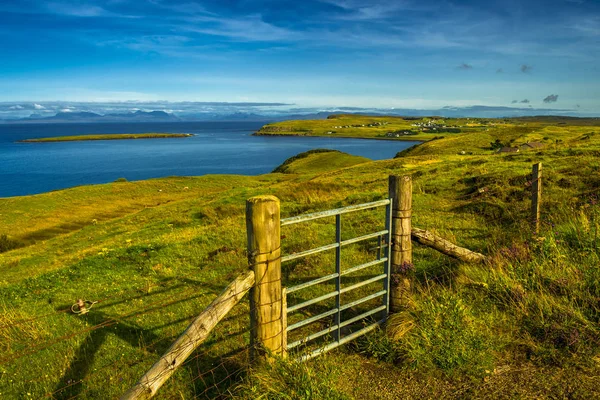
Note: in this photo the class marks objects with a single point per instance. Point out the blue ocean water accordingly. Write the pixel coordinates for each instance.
(215, 148)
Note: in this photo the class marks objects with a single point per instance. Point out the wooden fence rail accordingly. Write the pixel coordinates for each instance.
(193, 336)
(444, 246)
(263, 280)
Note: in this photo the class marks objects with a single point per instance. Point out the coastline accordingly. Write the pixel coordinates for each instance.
(400, 139)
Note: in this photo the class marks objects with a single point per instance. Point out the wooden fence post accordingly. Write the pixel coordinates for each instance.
(264, 257)
(536, 196)
(400, 191)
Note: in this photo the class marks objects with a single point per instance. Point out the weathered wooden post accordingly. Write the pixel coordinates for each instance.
(400, 191)
(264, 257)
(536, 196)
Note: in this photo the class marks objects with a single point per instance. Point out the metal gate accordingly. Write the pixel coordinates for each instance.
(335, 330)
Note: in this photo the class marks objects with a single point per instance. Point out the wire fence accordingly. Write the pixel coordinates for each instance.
(85, 370)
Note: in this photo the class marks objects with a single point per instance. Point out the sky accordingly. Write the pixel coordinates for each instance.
(328, 53)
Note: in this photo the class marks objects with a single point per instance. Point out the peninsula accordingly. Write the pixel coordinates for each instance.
(373, 127)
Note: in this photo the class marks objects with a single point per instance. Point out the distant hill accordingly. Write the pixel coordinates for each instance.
(86, 116)
(297, 114)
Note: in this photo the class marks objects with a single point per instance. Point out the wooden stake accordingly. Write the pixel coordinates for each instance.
(400, 191)
(536, 196)
(264, 257)
(193, 336)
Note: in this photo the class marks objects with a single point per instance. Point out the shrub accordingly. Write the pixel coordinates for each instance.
(7, 243)
(497, 144)
(121, 180)
(446, 336)
(289, 380)
(379, 344)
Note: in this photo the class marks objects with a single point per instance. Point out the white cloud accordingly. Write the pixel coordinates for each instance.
(17, 107)
(76, 10)
(248, 28)
(360, 11)
(39, 107)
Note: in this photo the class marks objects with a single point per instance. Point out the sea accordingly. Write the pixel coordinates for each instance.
(214, 148)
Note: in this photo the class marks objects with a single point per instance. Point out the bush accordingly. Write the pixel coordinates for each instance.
(7, 244)
(289, 380)
(121, 180)
(446, 336)
(497, 145)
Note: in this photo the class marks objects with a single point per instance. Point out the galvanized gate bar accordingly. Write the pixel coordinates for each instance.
(311, 283)
(305, 253)
(386, 265)
(363, 266)
(334, 327)
(335, 310)
(361, 316)
(312, 319)
(331, 213)
(364, 237)
(338, 271)
(312, 301)
(382, 257)
(337, 293)
(312, 337)
(360, 301)
(342, 341)
(316, 250)
(363, 283)
(326, 278)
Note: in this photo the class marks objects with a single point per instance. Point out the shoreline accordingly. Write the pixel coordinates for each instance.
(399, 139)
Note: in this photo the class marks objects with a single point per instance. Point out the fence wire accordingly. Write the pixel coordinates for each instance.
(209, 373)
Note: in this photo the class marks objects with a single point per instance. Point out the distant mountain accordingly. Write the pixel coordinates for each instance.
(86, 116)
(292, 114)
(73, 116)
(144, 115)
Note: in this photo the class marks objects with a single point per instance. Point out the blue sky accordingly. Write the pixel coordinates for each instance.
(363, 53)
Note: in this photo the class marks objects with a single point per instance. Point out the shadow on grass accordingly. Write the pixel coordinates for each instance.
(210, 374)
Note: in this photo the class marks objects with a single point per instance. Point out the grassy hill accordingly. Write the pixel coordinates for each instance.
(319, 161)
(154, 253)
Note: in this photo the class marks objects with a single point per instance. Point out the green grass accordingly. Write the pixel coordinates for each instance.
(112, 136)
(319, 161)
(156, 252)
(353, 126)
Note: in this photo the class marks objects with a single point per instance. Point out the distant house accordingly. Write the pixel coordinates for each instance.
(509, 150)
(532, 145)
(399, 133)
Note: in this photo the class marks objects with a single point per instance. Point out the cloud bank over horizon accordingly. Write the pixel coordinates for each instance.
(214, 111)
(317, 53)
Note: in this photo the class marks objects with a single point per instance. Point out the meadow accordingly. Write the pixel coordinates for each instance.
(154, 253)
(375, 127)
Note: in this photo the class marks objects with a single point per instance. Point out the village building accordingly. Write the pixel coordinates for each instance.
(532, 145)
(509, 150)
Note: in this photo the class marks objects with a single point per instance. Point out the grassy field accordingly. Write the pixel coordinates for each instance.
(154, 253)
(111, 136)
(377, 127)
